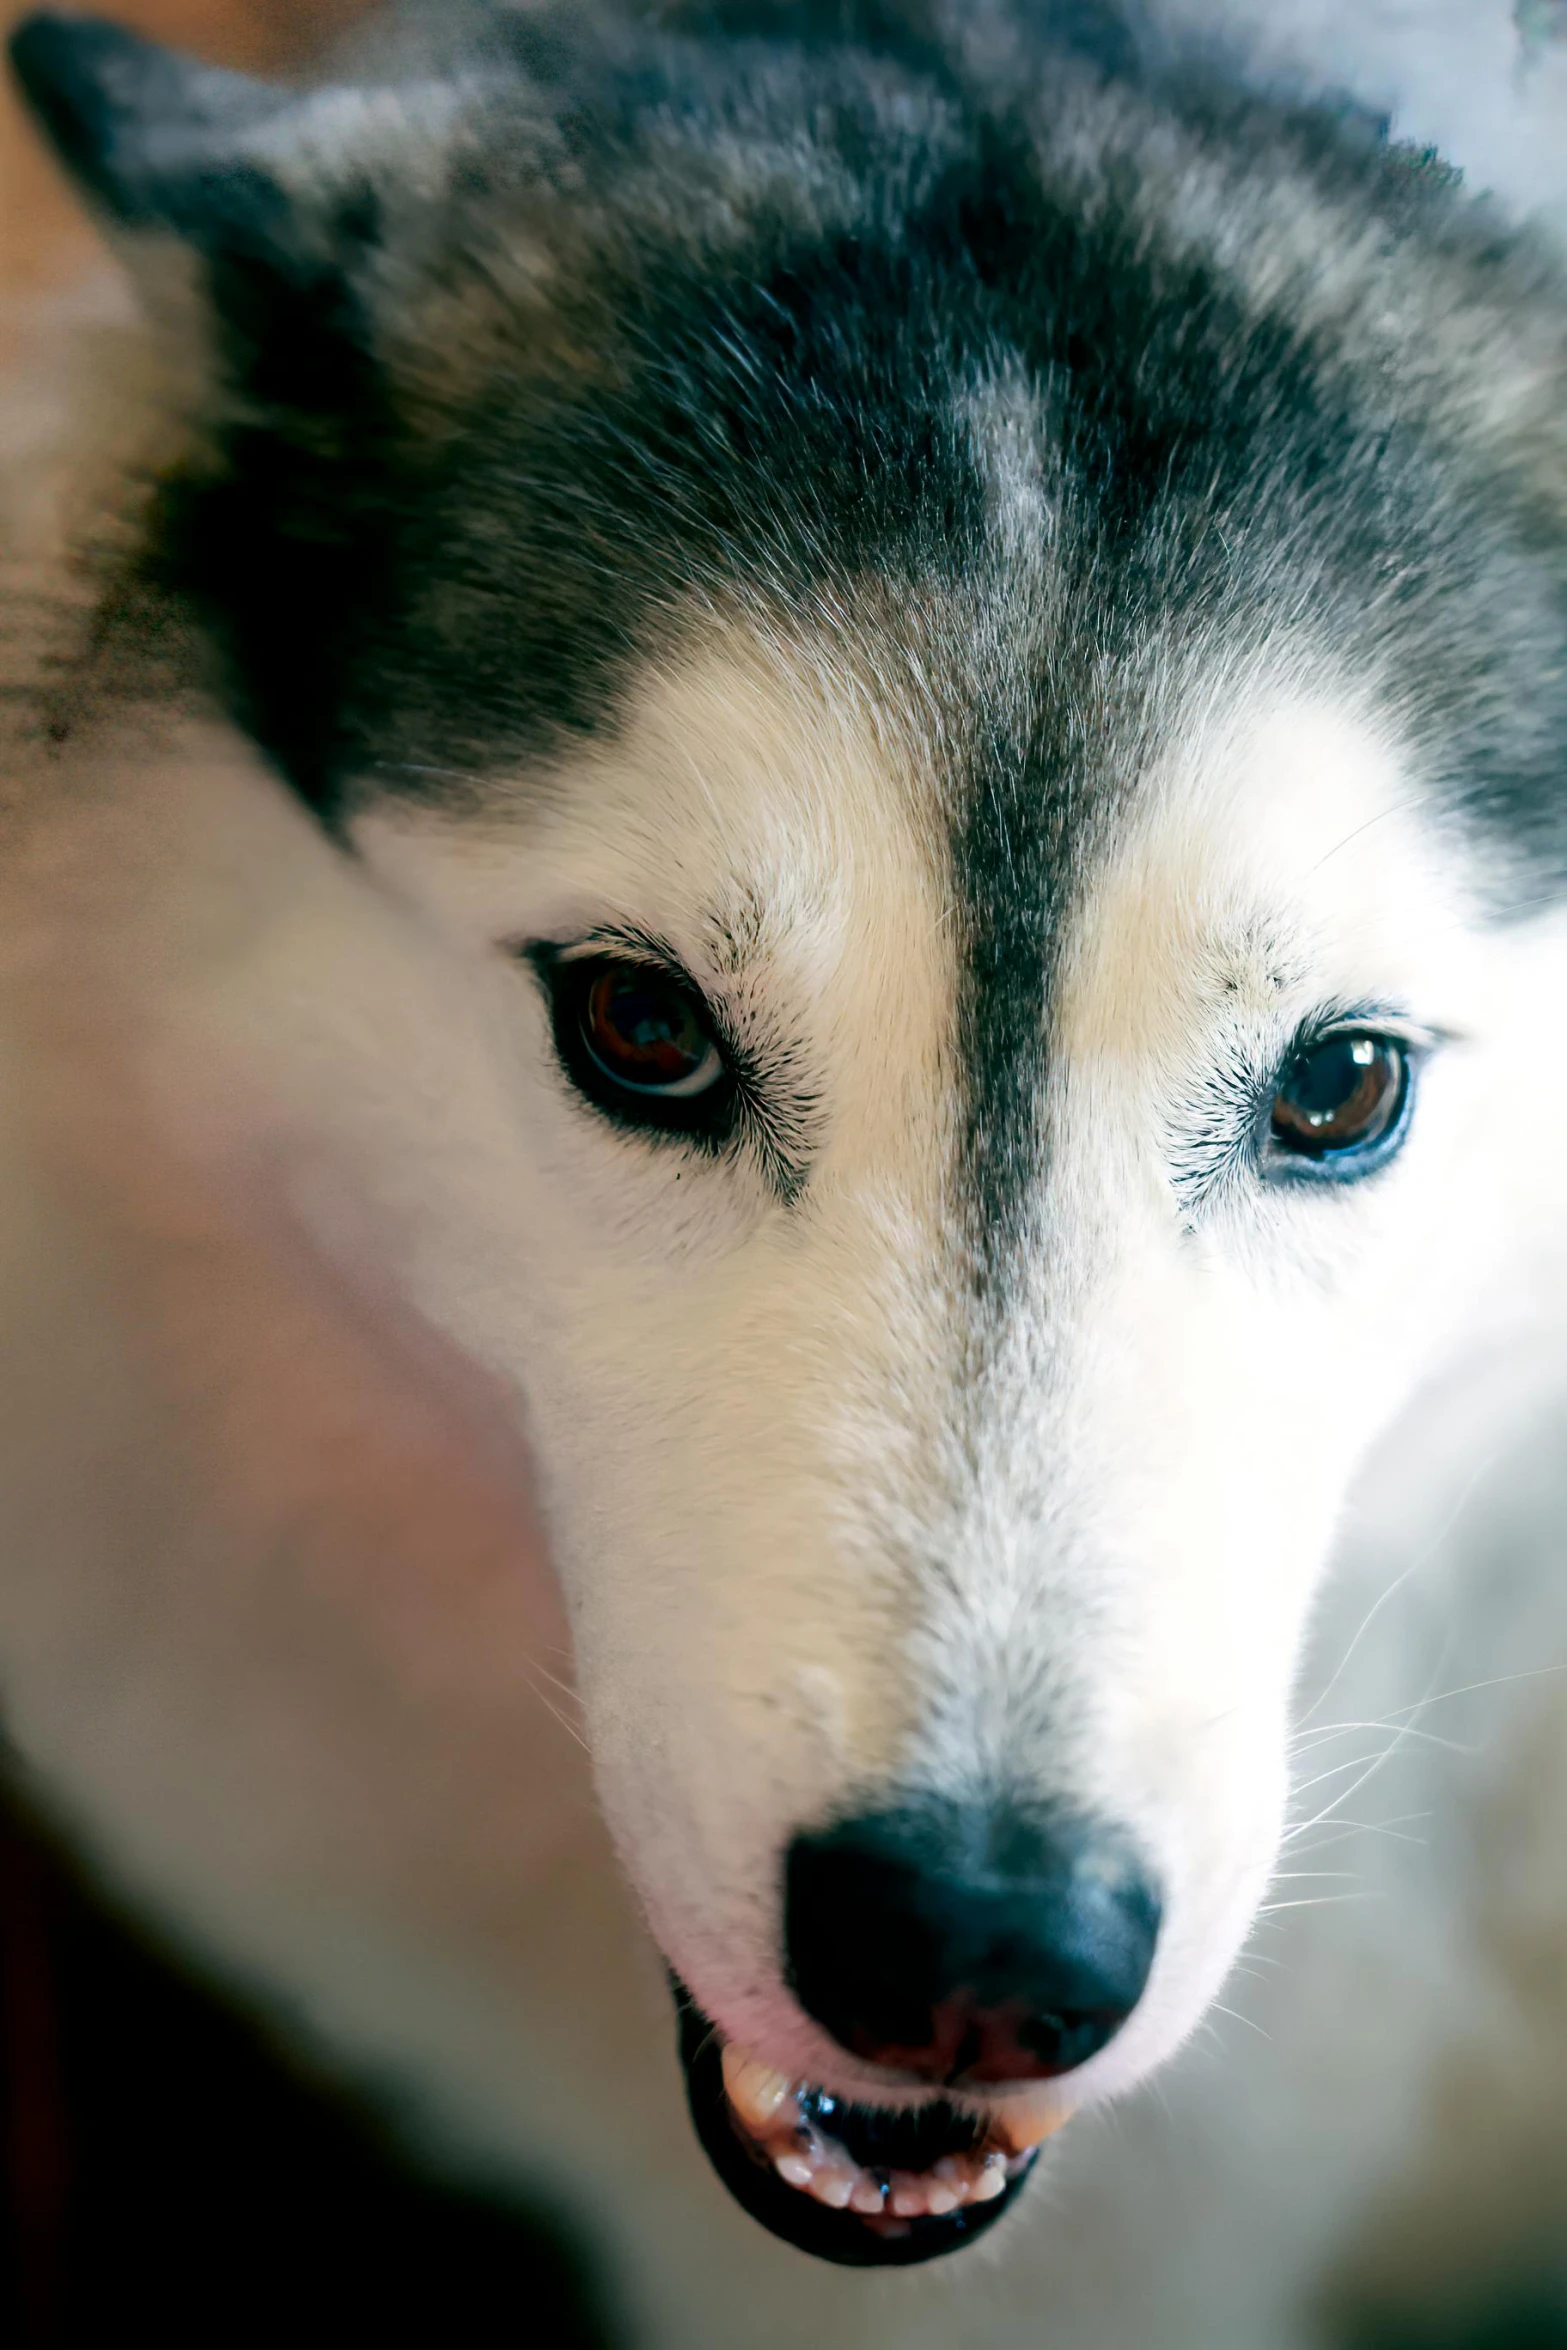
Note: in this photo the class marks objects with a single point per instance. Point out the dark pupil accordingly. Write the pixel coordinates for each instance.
(642, 1032)
(1341, 1096)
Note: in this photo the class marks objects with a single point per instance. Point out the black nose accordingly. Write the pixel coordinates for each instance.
(969, 1944)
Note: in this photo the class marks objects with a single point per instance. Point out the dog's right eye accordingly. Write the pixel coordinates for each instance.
(639, 1042)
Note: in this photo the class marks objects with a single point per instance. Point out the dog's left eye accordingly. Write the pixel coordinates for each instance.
(1343, 1104)
(637, 1040)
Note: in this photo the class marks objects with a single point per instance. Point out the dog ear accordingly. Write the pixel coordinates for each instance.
(262, 183)
(275, 522)
(153, 139)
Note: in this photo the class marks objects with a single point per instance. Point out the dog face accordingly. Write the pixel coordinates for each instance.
(968, 722)
(847, 1513)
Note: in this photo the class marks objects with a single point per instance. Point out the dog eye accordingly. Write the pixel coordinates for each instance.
(646, 1034)
(1343, 1103)
(637, 1041)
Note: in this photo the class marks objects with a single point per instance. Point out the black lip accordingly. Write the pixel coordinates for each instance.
(785, 2211)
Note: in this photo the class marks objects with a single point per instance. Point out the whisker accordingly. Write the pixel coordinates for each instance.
(1407, 1729)
(1299, 1876)
(565, 1687)
(1424, 1557)
(1470, 1688)
(1373, 1765)
(1399, 808)
(1355, 1763)
(1319, 1901)
(708, 2040)
(556, 1713)
(1343, 1829)
(1218, 2008)
(1395, 1728)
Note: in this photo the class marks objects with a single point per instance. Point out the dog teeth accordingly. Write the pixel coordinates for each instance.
(767, 2105)
(753, 2090)
(820, 2169)
(834, 2186)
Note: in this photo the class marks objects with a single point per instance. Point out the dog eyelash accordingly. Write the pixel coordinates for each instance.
(764, 1107)
(1211, 1141)
(1217, 1140)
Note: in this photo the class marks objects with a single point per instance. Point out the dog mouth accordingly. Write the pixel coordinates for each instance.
(866, 2186)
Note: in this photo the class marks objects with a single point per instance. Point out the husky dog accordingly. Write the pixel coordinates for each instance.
(962, 623)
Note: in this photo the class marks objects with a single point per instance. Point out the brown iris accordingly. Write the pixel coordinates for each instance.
(1343, 1097)
(646, 1033)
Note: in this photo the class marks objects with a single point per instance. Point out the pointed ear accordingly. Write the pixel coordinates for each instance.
(280, 199)
(153, 139)
(286, 184)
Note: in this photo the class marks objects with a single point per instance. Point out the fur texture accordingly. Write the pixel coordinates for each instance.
(1038, 577)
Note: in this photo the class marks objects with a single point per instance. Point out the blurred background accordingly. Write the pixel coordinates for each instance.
(1367, 2151)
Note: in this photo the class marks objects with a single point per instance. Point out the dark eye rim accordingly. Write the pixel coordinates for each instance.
(1279, 1164)
(567, 976)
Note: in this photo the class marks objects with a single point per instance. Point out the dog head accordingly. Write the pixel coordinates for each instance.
(985, 704)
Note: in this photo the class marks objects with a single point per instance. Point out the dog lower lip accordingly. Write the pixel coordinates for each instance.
(865, 2187)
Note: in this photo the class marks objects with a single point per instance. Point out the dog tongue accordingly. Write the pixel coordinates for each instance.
(794, 2126)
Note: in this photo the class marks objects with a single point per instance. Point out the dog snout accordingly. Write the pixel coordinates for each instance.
(969, 1946)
